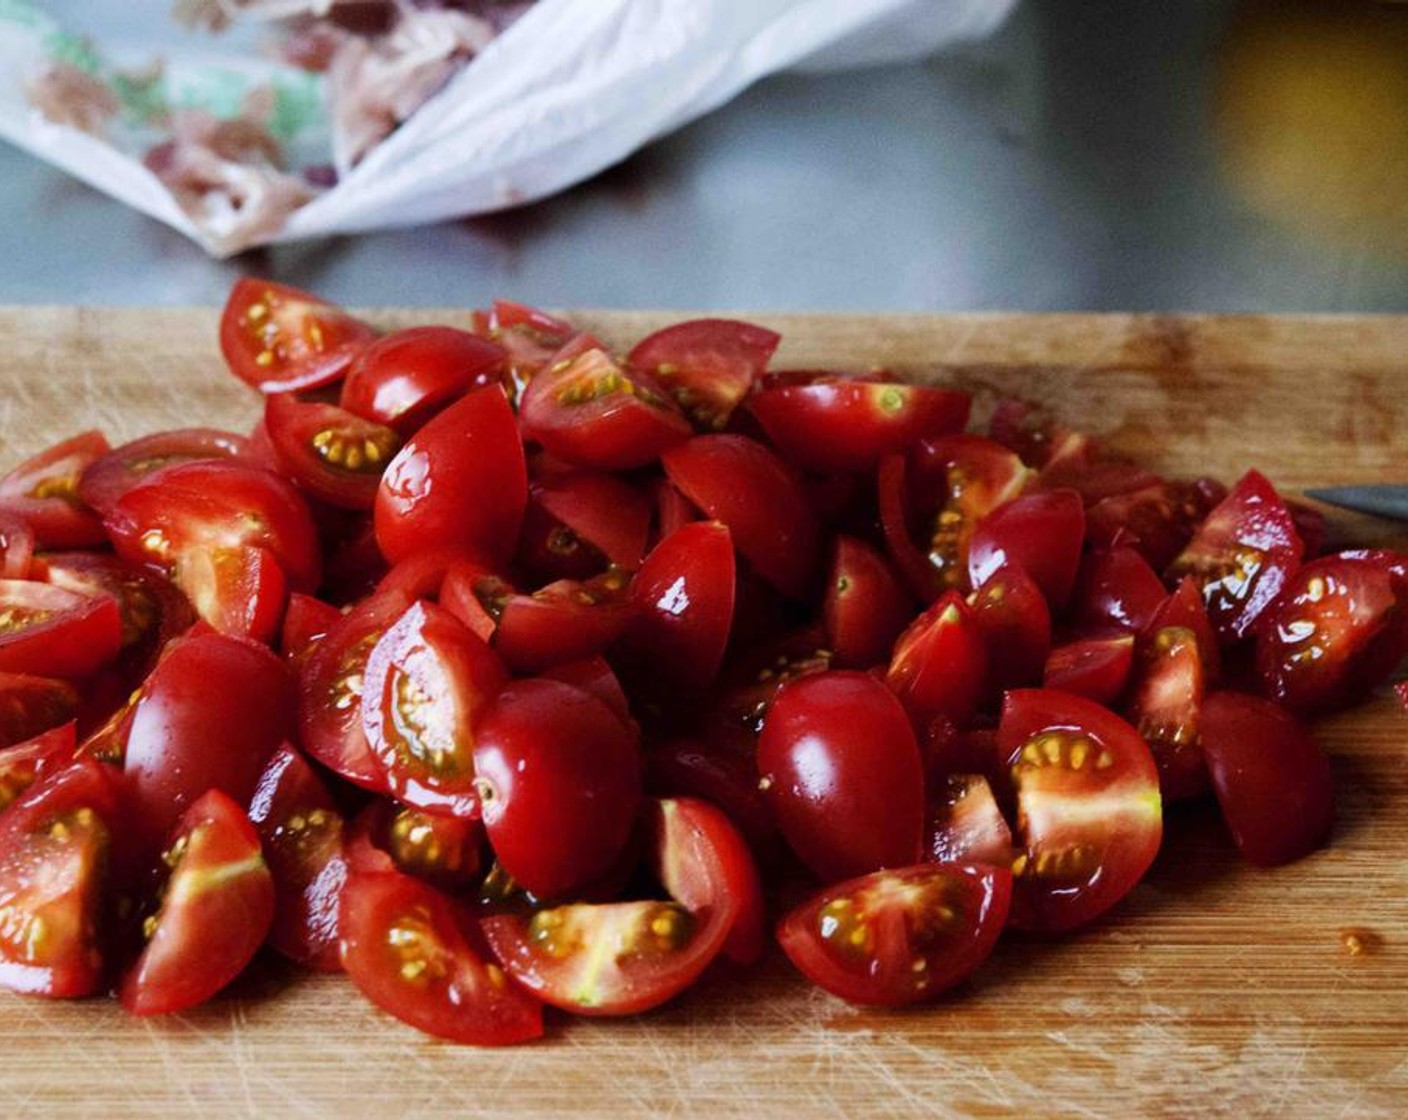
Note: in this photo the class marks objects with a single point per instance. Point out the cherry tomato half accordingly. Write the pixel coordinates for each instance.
(214, 913)
(1089, 817)
(707, 365)
(559, 779)
(279, 339)
(460, 482)
(1272, 781)
(334, 455)
(404, 378)
(54, 844)
(900, 936)
(111, 475)
(428, 682)
(840, 765)
(43, 493)
(413, 953)
(46, 631)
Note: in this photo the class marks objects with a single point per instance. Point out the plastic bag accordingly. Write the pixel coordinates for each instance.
(570, 88)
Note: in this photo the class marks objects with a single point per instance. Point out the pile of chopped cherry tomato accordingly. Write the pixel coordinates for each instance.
(499, 670)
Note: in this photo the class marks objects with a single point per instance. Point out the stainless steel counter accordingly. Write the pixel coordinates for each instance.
(1104, 155)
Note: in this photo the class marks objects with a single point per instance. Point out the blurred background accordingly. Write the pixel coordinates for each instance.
(1220, 155)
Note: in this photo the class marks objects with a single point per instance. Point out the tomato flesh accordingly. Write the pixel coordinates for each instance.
(43, 492)
(428, 681)
(706, 365)
(1089, 816)
(334, 455)
(901, 936)
(215, 911)
(46, 631)
(940, 663)
(1242, 556)
(54, 844)
(279, 338)
(411, 952)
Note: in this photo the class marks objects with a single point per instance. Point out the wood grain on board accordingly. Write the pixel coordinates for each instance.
(1215, 990)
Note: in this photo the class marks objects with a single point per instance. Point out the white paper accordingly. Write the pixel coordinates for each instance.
(571, 88)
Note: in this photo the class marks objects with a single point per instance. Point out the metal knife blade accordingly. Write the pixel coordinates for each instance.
(1382, 501)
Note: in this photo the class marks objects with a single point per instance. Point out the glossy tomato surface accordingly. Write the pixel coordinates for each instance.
(740, 482)
(111, 475)
(47, 631)
(1042, 533)
(209, 717)
(684, 600)
(428, 681)
(965, 824)
(589, 411)
(559, 778)
(1089, 816)
(330, 687)
(1096, 668)
(214, 506)
(214, 913)
(865, 607)
(900, 936)
(850, 424)
(460, 482)
(1338, 630)
(404, 378)
(840, 766)
(302, 836)
(1242, 556)
(1272, 780)
(939, 666)
(413, 952)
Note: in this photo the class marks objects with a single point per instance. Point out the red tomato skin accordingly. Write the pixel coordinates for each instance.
(309, 341)
(1338, 630)
(22, 764)
(1157, 520)
(888, 978)
(43, 492)
(707, 365)
(1015, 623)
(1041, 532)
(559, 778)
(840, 424)
(1242, 556)
(216, 912)
(1124, 840)
(470, 1001)
(703, 862)
(456, 677)
(588, 411)
(722, 770)
(940, 663)
(1271, 779)
(841, 768)
(83, 634)
(211, 714)
(306, 621)
(74, 964)
(606, 512)
(404, 378)
(460, 482)
(195, 505)
(740, 482)
(1096, 668)
(301, 833)
(684, 596)
(866, 607)
(1116, 588)
(110, 476)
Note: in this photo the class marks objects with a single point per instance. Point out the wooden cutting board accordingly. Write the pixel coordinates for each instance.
(1215, 990)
